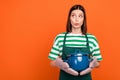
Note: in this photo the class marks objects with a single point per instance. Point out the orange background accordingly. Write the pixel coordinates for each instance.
(28, 28)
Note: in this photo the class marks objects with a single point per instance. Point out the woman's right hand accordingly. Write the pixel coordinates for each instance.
(64, 66)
(59, 63)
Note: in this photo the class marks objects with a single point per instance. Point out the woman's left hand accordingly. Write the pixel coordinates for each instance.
(93, 64)
(86, 71)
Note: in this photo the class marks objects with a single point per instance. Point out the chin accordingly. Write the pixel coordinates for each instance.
(76, 27)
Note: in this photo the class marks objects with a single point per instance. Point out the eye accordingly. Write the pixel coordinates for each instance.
(72, 15)
(80, 16)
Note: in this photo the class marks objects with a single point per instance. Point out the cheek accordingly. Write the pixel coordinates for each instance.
(72, 20)
(81, 21)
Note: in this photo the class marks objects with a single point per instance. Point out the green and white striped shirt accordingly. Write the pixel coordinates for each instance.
(74, 40)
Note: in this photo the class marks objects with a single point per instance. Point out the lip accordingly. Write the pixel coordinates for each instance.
(76, 24)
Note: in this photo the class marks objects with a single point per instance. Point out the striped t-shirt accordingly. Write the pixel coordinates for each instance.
(74, 40)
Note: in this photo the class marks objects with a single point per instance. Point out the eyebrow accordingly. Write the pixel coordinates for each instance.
(79, 13)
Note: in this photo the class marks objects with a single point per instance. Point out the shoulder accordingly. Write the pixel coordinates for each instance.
(60, 35)
(91, 36)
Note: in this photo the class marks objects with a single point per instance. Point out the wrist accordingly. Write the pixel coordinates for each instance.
(91, 68)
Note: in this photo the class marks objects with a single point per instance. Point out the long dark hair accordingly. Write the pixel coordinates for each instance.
(84, 25)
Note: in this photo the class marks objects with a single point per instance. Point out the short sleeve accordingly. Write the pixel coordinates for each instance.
(95, 49)
(54, 53)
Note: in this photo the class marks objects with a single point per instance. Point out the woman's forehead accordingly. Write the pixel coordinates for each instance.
(77, 11)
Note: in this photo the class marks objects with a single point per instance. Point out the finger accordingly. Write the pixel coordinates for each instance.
(65, 65)
(71, 71)
(86, 71)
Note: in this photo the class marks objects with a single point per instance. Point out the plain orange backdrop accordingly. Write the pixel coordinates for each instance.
(28, 29)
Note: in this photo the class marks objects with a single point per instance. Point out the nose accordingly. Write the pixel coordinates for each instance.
(77, 19)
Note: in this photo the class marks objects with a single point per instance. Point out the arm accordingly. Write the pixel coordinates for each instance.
(94, 63)
(52, 63)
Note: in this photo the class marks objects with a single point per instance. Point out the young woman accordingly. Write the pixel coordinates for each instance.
(75, 51)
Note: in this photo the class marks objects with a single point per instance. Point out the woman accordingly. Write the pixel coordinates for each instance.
(75, 38)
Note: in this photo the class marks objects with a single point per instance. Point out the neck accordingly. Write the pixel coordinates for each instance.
(76, 31)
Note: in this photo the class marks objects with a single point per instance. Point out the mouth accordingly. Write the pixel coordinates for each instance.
(76, 24)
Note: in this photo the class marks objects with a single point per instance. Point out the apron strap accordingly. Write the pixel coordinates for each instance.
(87, 42)
(63, 49)
(88, 45)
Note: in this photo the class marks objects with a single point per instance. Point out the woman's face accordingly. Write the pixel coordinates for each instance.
(77, 18)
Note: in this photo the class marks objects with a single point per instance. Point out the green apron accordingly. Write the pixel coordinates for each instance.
(67, 51)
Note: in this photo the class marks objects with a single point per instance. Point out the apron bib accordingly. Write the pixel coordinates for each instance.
(78, 59)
